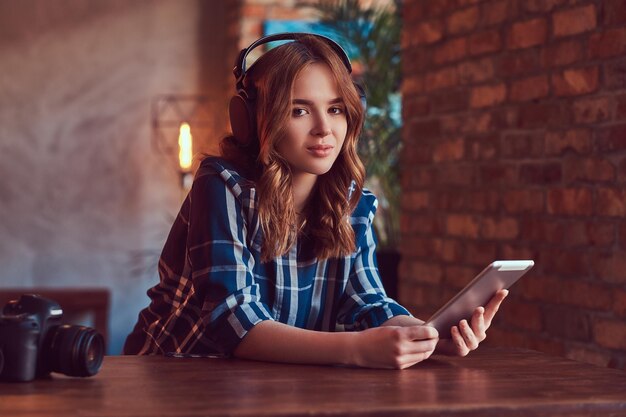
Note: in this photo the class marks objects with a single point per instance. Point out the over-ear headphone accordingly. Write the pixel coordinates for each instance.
(242, 109)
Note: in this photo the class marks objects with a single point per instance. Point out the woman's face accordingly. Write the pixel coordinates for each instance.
(317, 125)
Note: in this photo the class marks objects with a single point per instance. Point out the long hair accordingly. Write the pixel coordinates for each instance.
(328, 212)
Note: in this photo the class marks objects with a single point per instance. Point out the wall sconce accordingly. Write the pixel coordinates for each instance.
(175, 118)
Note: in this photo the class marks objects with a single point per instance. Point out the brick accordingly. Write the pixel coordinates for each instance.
(541, 173)
(611, 42)
(592, 110)
(462, 225)
(523, 201)
(480, 253)
(612, 138)
(522, 145)
(415, 200)
(449, 150)
(457, 175)
(471, 72)
(534, 6)
(502, 336)
(437, 8)
(621, 175)
(620, 108)
(483, 201)
(497, 173)
(570, 201)
(610, 333)
(415, 107)
(587, 295)
(442, 78)
(449, 101)
(564, 262)
(497, 12)
(450, 51)
(542, 230)
(600, 234)
(422, 247)
(562, 53)
(452, 250)
(488, 95)
(615, 74)
(516, 251)
(574, 21)
(526, 34)
(609, 267)
(424, 224)
(482, 147)
(506, 228)
(614, 12)
(484, 42)
(530, 88)
(416, 60)
(577, 81)
(422, 154)
(463, 20)
(460, 200)
(588, 354)
(541, 115)
(575, 140)
(611, 202)
(521, 315)
(425, 272)
(539, 287)
(547, 344)
(619, 302)
(413, 11)
(568, 323)
(426, 128)
(588, 169)
(412, 85)
(423, 33)
(518, 62)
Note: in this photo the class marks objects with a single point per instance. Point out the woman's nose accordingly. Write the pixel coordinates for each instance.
(322, 126)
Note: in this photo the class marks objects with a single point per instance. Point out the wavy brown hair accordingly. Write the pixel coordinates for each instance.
(328, 211)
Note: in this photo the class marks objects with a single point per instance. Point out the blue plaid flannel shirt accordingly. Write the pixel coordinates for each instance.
(213, 287)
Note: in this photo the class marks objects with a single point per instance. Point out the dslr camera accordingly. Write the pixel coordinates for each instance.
(33, 342)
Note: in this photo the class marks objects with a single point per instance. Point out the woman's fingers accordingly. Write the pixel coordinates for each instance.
(493, 305)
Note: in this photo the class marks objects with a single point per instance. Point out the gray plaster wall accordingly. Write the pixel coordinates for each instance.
(85, 201)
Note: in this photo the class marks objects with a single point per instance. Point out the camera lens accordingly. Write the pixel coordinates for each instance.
(75, 350)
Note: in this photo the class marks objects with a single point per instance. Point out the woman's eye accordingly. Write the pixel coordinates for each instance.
(335, 110)
(298, 112)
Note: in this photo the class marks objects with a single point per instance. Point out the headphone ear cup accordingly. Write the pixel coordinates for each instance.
(242, 122)
(361, 90)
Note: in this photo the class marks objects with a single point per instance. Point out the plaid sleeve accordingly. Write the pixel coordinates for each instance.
(365, 303)
(220, 227)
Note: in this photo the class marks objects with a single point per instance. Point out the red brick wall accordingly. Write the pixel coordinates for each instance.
(515, 147)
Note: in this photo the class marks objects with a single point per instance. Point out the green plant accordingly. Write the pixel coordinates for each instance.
(372, 37)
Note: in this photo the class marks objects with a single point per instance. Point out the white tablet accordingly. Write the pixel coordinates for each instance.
(497, 276)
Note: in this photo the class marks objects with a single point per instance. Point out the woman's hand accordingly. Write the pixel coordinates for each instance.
(393, 346)
(467, 336)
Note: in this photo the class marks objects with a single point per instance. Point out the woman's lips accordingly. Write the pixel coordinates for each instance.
(320, 151)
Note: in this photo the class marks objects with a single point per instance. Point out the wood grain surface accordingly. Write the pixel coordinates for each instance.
(489, 382)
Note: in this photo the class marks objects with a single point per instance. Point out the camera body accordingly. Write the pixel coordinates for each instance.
(33, 342)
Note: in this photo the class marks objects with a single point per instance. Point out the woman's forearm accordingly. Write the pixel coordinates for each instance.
(380, 347)
(277, 342)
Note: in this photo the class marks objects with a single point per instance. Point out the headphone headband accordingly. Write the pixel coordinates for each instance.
(240, 63)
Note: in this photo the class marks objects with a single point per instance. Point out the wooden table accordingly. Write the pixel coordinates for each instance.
(489, 382)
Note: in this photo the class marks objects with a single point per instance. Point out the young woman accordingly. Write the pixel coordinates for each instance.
(272, 256)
